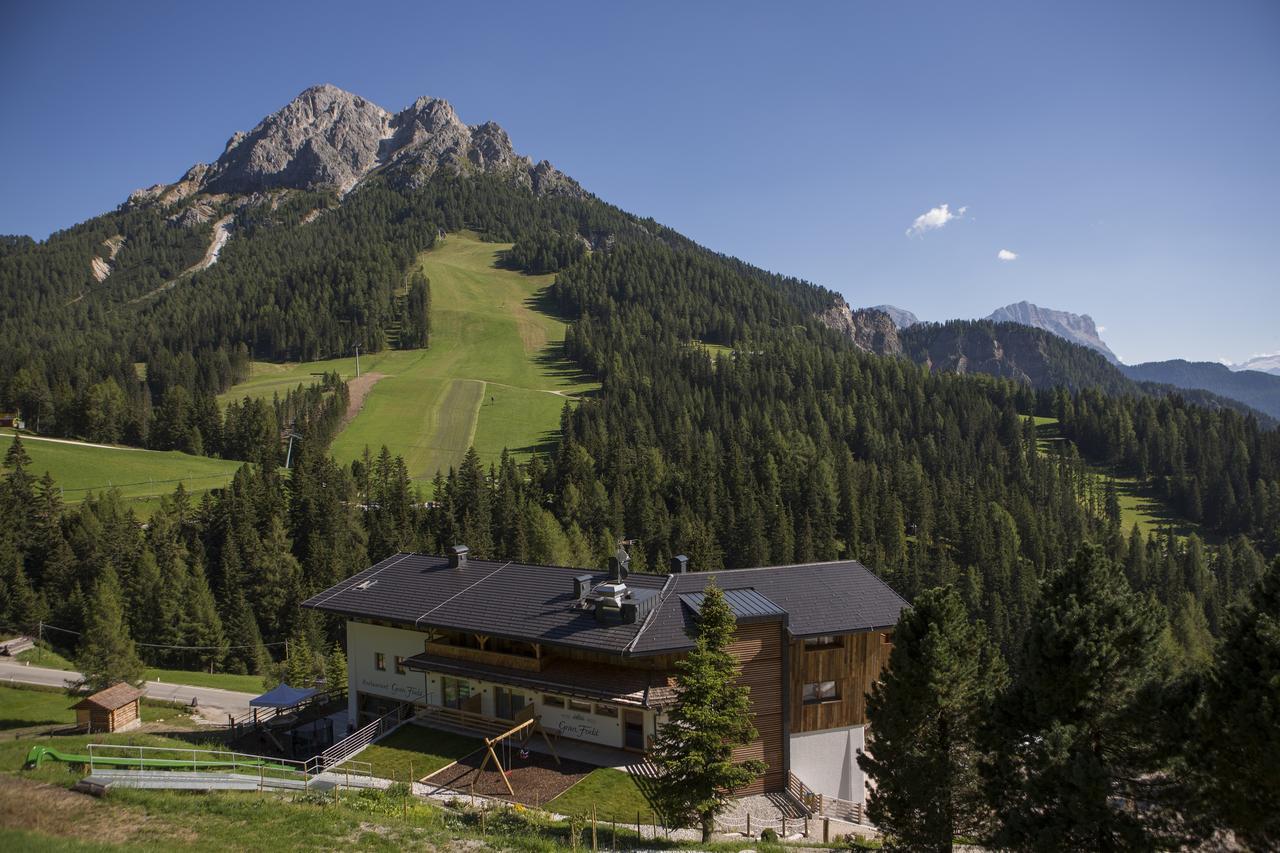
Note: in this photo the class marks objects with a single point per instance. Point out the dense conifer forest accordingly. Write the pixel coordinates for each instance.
(789, 445)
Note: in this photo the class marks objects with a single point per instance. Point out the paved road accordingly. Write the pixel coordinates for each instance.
(214, 704)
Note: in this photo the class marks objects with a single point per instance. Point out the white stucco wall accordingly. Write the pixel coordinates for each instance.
(363, 642)
(827, 761)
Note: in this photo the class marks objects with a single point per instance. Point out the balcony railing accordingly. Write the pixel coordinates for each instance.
(491, 658)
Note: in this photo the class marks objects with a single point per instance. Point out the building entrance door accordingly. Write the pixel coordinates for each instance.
(507, 703)
(633, 730)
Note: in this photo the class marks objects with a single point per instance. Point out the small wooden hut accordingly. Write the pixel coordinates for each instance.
(115, 709)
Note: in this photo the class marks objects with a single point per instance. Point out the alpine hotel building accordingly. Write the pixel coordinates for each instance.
(592, 654)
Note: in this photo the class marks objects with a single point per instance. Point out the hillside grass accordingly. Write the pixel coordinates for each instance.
(220, 680)
(612, 793)
(142, 476)
(1138, 504)
(493, 377)
(417, 751)
(32, 706)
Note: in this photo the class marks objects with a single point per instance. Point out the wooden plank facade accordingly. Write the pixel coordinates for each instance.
(760, 648)
(854, 664)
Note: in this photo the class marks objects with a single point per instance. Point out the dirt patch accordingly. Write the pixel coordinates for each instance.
(357, 390)
(535, 777)
(52, 810)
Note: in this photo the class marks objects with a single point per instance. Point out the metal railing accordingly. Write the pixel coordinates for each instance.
(343, 751)
(267, 770)
(821, 804)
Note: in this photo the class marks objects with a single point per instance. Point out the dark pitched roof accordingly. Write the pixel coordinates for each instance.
(531, 602)
(113, 697)
(747, 605)
(819, 598)
(505, 599)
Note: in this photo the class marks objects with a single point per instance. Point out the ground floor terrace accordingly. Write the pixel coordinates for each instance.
(575, 701)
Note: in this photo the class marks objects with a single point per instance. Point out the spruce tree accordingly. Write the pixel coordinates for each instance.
(923, 718)
(107, 654)
(1073, 750)
(694, 750)
(1235, 761)
(335, 670)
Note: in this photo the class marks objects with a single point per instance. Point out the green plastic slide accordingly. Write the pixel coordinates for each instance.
(40, 753)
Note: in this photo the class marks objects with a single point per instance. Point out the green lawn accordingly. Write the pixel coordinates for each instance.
(222, 680)
(142, 476)
(417, 750)
(40, 656)
(613, 793)
(30, 706)
(48, 658)
(492, 377)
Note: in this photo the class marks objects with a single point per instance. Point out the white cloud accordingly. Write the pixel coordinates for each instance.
(1006, 255)
(931, 220)
(1101, 329)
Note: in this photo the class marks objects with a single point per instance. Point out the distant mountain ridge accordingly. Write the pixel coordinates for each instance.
(1078, 328)
(1262, 363)
(1252, 387)
(902, 318)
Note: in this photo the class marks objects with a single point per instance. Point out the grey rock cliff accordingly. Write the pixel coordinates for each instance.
(869, 328)
(329, 138)
(1077, 328)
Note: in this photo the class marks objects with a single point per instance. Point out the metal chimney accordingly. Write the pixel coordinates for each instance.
(458, 556)
(679, 564)
(618, 566)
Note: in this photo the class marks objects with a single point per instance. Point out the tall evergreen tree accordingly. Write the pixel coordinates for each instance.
(1072, 748)
(923, 717)
(1236, 758)
(107, 653)
(694, 750)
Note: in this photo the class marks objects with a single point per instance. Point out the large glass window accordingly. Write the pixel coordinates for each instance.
(820, 691)
(455, 691)
(508, 703)
(828, 641)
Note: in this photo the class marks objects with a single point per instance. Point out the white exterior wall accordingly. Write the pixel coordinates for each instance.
(363, 676)
(828, 762)
(364, 641)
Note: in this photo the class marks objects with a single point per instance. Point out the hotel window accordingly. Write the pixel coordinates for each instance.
(455, 691)
(575, 705)
(606, 710)
(828, 641)
(400, 664)
(380, 661)
(820, 691)
(552, 702)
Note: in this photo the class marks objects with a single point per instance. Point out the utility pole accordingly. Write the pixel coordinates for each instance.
(357, 361)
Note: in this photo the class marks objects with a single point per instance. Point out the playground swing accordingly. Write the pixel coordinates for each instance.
(503, 741)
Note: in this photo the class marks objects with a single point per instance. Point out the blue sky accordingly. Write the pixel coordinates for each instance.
(1125, 152)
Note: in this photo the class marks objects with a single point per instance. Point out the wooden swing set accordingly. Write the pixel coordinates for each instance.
(528, 726)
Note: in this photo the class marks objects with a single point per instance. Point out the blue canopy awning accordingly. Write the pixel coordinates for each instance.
(283, 696)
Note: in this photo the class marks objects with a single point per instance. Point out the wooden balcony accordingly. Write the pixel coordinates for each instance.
(534, 663)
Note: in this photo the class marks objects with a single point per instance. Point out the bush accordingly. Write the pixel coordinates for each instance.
(769, 836)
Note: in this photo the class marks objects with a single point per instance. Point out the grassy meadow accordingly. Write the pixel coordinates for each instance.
(493, 375)
(142, 476)
(1138, 505)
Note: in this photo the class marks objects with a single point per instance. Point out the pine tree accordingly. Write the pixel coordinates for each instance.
(1236, 757)
(335, 670)
(923, 719)
(694, 750)
(1072, 739)
(107, 654)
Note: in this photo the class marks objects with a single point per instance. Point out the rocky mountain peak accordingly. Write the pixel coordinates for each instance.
(870, 329)
(1077, 328)
(328, 137)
